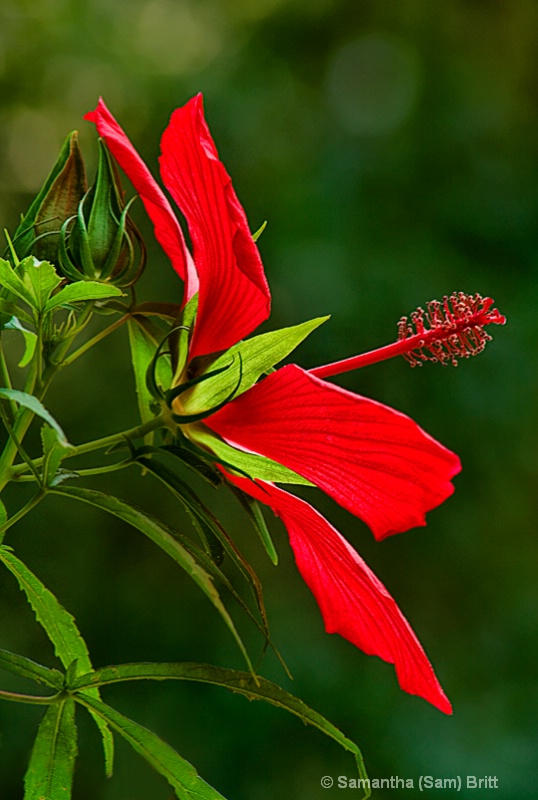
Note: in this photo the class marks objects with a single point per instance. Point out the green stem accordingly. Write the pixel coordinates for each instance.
(99, 444)
(93, 341)
(32, 502)
(29, 698)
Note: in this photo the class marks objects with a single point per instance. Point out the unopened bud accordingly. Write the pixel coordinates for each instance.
(39, 231)
(100, 241)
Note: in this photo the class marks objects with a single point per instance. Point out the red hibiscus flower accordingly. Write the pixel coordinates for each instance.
(374, 461)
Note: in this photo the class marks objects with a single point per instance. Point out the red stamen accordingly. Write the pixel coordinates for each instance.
(445, 332)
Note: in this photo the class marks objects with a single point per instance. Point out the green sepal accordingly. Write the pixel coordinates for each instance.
(57, 200)
(248, 360)
(249, 464)
(52, 763)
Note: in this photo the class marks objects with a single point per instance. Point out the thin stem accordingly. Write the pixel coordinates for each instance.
(93, 341)
(98, 444)
(33, 699)
(32, 502)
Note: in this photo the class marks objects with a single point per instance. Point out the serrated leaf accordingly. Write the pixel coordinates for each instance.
(11, 281)
(31, 402)
(234, 680)
(52, 763)
(60, 627)
(53, 453)
(82, 290)
(163, 537)
(247, 361)
(19, 665)
(12, 310)
(179, 773)
(40, 278)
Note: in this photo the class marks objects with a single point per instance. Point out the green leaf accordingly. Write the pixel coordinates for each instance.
(13, 310)
(53, 453)
(179, 773)
(50, 772)
(19, 665)
(30, 340)
(3, 514)
(168, 311)
(238, 682)
(250, 360)
(163, 537)
(11, 281)
(255, 515)
(41, 279)
(82, 290)
(59, 626)
(253, 465)
(31, 402)
(144, 338)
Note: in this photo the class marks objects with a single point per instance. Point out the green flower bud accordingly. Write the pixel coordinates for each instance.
(100, 241)
(39, 231)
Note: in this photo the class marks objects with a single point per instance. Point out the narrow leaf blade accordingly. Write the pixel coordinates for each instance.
(81, 291)
(179, 773)
(32, 403)
(19, 665)
(50, 772)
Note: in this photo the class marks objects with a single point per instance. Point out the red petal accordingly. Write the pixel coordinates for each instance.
(372, 460)
(234, 297)
(353, 602)
(167, 229)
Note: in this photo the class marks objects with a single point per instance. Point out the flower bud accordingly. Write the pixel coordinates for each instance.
(39, 231)
(100, 241)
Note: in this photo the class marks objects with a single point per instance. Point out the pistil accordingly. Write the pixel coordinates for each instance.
(447, 331)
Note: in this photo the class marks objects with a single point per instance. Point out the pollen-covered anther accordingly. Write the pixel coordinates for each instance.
(448, 330)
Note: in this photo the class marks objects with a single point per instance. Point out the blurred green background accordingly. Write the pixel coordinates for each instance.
(393, 150)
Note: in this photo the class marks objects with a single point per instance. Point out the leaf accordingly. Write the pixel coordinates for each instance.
(255, 466)
(53, 453)
(3, 514)
(249, 360)
(30, 340)
(32, 403)
(41, 279)
(19, 665)
(179, 773)
(11, 281)
(82, 290)
(238, 682)
(50, 772)
(163, 537)
(255, 515)
(143, 341)
(168, 311)
(59, 626)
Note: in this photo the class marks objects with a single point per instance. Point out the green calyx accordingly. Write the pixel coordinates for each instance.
(100, 241)
(39, 231)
